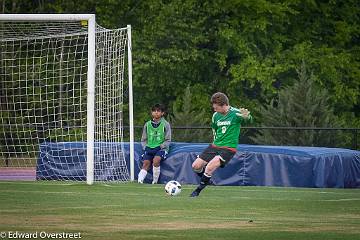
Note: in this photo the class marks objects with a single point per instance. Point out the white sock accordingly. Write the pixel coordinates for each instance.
(142, 175)
(156, 174)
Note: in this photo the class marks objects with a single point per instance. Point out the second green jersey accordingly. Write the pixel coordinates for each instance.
(226, 128)
(155, 136)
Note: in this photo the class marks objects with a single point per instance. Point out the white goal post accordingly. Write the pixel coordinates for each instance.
(47, 63)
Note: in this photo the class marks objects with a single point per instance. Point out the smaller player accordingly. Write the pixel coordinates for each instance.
(155, 141)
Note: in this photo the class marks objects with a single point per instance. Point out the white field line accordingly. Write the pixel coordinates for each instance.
(223, 188)
(341, 200)
(150, 195)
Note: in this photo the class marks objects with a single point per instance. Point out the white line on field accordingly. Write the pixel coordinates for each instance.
(142, 194)
(185, 186)
(340, 200)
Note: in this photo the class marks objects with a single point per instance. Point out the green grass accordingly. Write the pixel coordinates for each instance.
(133, 211)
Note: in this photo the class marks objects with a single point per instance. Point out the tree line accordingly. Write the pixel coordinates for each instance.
(262, 54)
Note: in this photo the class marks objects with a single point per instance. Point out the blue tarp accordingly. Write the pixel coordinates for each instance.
(253, 165)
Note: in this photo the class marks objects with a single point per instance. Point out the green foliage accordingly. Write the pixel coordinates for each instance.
(185, 114)
(303, 104)
(247, 49)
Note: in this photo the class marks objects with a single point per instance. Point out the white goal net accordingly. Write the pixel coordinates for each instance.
(45, 101)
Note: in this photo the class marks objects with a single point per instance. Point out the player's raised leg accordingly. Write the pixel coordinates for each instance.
(199, 166)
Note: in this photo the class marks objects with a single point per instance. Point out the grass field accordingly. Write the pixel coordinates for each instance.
(133, 211)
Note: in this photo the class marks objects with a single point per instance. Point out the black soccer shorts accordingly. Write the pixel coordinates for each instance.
(212, 151)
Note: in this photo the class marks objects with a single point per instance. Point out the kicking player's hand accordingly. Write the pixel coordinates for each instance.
(245, 113)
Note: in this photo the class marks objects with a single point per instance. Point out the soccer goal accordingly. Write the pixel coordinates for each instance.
(65, 93)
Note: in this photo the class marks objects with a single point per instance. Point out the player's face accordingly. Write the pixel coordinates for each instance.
(157, 114)
(220, 108)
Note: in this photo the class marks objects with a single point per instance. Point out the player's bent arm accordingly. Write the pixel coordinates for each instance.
(245, 115)
(166, 143)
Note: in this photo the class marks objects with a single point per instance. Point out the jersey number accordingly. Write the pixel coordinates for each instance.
(223, 129)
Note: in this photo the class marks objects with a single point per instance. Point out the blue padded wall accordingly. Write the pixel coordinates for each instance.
(253, 165)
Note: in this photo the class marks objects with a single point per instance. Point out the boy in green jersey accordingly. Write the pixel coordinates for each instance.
(226, 123)
(155, 141)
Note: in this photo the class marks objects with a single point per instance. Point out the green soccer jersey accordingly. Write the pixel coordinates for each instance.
(156, 136)
(226, 128)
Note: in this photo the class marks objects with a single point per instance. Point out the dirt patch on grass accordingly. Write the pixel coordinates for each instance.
(177, 225)
(31, 220)
(115, 224)
(106, 224)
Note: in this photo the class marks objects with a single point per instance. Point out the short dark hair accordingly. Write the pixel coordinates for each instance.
(158, 106)
(220, 99)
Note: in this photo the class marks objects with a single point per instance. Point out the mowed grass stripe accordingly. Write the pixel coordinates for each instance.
(133, 211)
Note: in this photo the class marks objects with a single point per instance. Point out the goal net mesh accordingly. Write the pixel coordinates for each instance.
(43, 100)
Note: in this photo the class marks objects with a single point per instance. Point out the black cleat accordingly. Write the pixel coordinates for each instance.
(195, 193)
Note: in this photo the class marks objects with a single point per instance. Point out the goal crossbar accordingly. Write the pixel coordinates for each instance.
(46, 17)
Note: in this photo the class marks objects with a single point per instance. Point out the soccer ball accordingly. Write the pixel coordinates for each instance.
(173, 188)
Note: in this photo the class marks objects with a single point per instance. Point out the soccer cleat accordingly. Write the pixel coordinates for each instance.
(153, 182)
(139, 181)
(195, 193)
(211, 182)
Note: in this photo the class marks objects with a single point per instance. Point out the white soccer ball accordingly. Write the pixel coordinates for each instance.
(173, 188)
